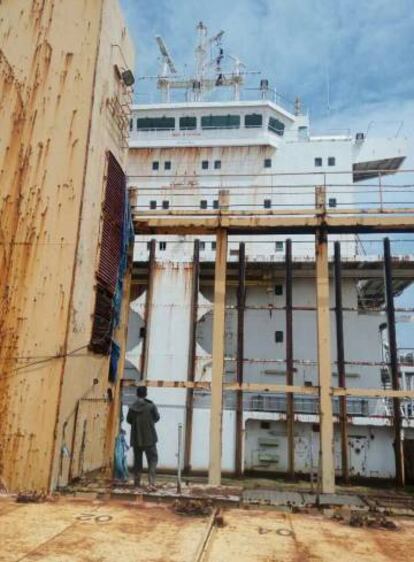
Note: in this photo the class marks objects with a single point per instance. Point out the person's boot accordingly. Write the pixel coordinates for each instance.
(137, 482)
(151, 484)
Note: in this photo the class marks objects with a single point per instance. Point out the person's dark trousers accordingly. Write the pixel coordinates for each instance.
(152, 460)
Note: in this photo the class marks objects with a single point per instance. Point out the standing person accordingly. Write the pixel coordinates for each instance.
(142, 416)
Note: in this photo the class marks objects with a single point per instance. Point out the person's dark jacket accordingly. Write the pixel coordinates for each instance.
(143, 415)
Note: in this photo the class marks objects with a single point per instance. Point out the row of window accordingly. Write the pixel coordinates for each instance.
(205, 164)
(319, 161)
(216, 164)
(279, 246)
(267, 204)
(187, 123)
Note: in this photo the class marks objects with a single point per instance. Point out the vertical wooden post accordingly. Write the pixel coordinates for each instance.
(327, 469)
(192, 356)
(393, 351)
(241, 303)
(289, 361)
(147, 311)
(115, 407)
(341, 361)
(216, 408)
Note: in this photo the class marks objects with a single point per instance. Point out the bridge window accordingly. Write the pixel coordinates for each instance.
(203, 204)
(155, 165)
(204, 164)
(276, 126)
(156, 123)
(217, 164)
(279, 246)
(253, 120)
(267, 203)
(163, 246)
(332, 202)
(215, 204)
(167, 165)
(267, 163)
(188, 123)
(220, 122)
(153, 204)
(165, 204)
(318, 162)
(331, 161)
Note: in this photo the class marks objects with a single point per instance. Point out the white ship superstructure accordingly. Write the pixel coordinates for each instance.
(212, 156)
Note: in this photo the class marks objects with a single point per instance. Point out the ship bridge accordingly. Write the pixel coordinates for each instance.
(207, 124)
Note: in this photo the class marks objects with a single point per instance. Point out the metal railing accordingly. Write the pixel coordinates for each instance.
(315, 192)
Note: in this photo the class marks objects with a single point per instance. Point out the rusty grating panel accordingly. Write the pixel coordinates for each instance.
(113, 215)
(102, 322)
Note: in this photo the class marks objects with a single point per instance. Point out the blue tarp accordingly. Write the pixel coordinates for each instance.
(113, 362)
(121, 449)
(127, 240)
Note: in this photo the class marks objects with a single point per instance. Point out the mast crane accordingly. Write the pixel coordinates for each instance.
(209, 73)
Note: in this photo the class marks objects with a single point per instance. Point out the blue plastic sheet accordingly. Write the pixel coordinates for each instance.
(113, 362)
(127, 239)
(120, 461)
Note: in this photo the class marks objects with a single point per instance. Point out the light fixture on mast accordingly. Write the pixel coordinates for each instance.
(238, 76)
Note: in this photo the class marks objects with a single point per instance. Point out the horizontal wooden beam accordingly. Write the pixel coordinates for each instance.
(275, 388)
(261, 223)
(307, 211)
(245, 387)
(373, 393)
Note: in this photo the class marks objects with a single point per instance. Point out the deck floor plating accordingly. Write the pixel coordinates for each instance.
(86, 530)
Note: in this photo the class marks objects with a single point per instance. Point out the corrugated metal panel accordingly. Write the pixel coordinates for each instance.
(101, 338)
(113, 213)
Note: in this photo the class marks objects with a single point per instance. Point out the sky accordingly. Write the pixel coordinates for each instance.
(365, 47)
(350, 61)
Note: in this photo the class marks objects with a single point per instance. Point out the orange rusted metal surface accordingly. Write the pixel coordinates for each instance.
(56, 81)
(87, 529)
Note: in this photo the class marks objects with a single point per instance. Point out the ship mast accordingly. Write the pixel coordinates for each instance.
(209, 72)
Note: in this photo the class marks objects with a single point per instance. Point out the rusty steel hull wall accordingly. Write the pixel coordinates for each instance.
(56, 77)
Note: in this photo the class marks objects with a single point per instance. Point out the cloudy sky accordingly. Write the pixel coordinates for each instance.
(366, 47)
(361, 51)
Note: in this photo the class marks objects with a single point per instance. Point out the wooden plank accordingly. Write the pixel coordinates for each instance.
(292, 223)
(241, 303)
(373, 392)
(327, 468)
(289, 360)
(191, 356)
(148, 308)
(308, 211)
(394, 367)
(274, 388)
(216, 408)
(245, 387)
(340, 352)
(121, 336)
